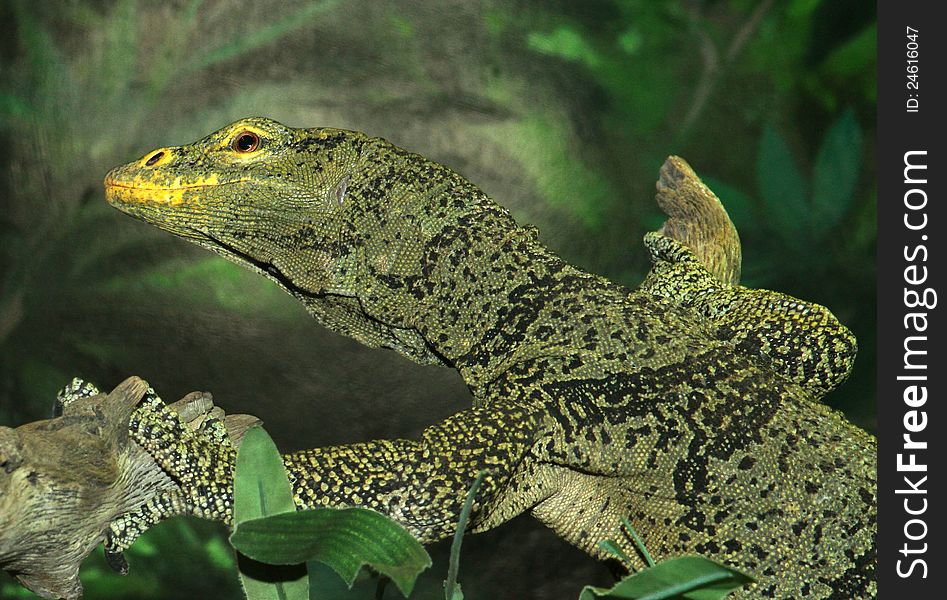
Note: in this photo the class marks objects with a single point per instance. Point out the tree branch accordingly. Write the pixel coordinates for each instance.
(64, 480)
(697, 218)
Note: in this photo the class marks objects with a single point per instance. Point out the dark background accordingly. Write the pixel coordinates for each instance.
(562, 111)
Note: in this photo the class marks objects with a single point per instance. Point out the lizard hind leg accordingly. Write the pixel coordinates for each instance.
(801, 340)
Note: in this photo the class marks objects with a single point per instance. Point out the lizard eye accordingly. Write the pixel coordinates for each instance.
(245, 141)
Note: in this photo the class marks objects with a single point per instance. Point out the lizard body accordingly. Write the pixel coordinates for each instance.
(688, 406)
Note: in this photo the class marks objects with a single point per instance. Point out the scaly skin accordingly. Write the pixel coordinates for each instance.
(688, 406)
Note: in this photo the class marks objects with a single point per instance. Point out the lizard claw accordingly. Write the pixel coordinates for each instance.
(76, 389)
(115, 559)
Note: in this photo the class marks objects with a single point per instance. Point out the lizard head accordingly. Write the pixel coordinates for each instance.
(329, 215)
(260, 193)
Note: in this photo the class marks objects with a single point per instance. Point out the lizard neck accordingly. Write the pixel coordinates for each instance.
(469, 301)
(477, 306)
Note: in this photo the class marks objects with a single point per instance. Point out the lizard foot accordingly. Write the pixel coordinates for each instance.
(194, 447)
(801, 340)
(76, 390)
(189, 440)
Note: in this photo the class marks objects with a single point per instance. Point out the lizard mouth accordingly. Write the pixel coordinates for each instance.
(111, 183)
(119, 192)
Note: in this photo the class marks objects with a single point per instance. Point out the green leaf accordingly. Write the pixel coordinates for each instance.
(800, 9)
(451, 587)
(456, 593)
(855, 56)
(345, 539)
(219, 554)
(262, 581)
(782, 186)
(691, 577)
(835, 174)
(638, 542)
(612, 548)
(261, 484)
(262, 489)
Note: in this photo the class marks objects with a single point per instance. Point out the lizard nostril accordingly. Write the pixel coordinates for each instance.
(154, 158)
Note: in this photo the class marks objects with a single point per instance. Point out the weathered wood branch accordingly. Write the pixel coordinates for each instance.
(697, 218)
(64, 480)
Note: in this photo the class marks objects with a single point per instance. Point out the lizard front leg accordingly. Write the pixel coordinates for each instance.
(801, 340)
(419, 483)
(190, 418)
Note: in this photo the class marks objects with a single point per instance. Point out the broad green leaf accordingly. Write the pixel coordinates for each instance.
(835, 174)
(261, 489)
(691, 577)
(262, 581)
(261, 484)
(783, 187)
(345, 539)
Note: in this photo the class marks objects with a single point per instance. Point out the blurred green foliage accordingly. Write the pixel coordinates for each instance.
(182, 558)
(561, 110)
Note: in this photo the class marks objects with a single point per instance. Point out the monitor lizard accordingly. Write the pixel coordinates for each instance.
(689, 406)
